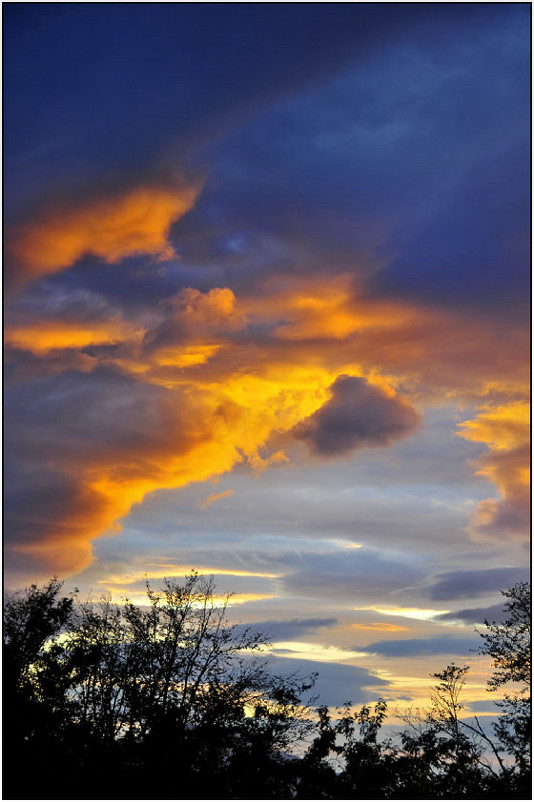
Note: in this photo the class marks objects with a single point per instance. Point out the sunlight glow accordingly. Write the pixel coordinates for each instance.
(315, 651)
(172, 571)
(422, 614)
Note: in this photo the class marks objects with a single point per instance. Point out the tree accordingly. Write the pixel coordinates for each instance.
(454, 755)
(169, 700)
(444, 755)
(135, 693)
(509, 646)
(36, 706)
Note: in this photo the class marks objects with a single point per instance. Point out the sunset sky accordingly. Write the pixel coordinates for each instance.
(266, 302)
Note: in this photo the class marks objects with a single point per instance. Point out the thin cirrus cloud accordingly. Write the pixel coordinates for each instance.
(214, 497)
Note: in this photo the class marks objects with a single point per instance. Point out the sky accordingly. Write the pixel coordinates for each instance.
(266, 308)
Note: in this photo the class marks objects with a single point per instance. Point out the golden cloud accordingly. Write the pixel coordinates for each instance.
(199, 431)
(505, 429)
(319, 309)
(501, 428)
(224, 390)
(134, 222)
(45, 336)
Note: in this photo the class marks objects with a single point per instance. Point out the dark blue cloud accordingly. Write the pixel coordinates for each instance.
(416, 161)
(76, 90)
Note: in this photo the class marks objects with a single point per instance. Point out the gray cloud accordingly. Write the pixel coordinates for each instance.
(295, 628)
(357, 415)
(485, 706)
(475, 615)
(458, 584)
(414, 647)
(350, 573)
(65, 431)
(336, 683)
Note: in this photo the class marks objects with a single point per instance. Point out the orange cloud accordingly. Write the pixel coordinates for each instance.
(210, 310)
(501, 428)
(223, 386)
(213, 497)
(197, 431)
(140, 598)
(319, 309)
(111, 228)
(506, 431)
(45, 336)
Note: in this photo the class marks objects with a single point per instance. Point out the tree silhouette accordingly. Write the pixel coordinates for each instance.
(509, 646)
(171, 701)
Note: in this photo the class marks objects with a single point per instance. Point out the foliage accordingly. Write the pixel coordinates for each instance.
(509, 646)
(138, 688)
(171, 701)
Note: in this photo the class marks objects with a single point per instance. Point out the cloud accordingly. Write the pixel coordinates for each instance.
(162, 570)
(358, 574)
(82, 450)
(502, 428)
(213, 497)
(112, 227)
(320, 308)
(505, 429)
(336, 683)
(131, 424)
(485, 706)
(190, 317)
(475, 615)
(292, 629)
(44, 336)
(415, 647)
(462, 584)
(358, 414)
(380, 626)
(118, 402)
